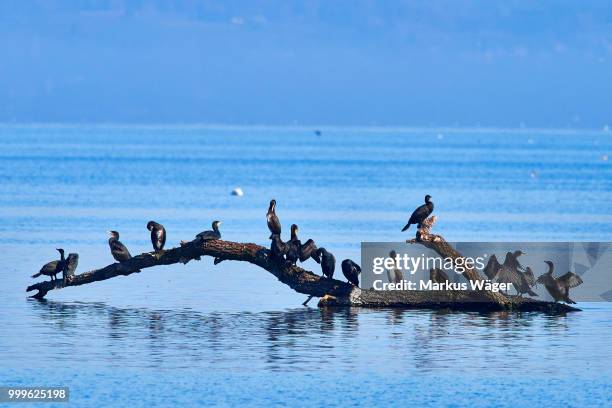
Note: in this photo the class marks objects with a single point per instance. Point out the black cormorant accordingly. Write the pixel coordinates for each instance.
(293, 246)
(278, 248)
(118, 250)
(559, 287)
(158, 235)
(351, 271)
(293, 250)
(394, 275)
(328, 262)
(421, 213)
(273, 222)
(210, 235)
(72, 261)
(511, 271)
(492, 267)
(527, 282)
(52, 268)
(437, 275)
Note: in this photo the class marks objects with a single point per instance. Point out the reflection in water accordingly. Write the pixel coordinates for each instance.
(305, 338)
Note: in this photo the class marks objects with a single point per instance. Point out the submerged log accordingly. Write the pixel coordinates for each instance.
(331, 291)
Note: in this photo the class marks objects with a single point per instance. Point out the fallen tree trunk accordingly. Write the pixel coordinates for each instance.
(331, 291)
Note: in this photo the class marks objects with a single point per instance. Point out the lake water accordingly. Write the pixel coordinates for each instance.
(231, 334)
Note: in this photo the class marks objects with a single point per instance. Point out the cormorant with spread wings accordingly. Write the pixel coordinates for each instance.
(559, 287)
(296, 251)
(511, 271)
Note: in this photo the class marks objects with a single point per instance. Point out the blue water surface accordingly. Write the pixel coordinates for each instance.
(231, 334)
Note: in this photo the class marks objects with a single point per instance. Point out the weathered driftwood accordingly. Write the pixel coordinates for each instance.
(331, 291)
(445, 250)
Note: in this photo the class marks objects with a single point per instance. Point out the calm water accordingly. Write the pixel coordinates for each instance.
(231, 334)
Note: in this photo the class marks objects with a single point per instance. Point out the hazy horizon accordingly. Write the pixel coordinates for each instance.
(430, 64)
(442, 129)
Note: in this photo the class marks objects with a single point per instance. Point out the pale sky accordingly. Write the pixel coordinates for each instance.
(410, 63)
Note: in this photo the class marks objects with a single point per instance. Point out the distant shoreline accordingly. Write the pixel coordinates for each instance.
(312, 128)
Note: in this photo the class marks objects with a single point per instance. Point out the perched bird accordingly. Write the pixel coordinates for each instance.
(511, 271)
(559, 287)
(158, 235)
(328, 262)
(274, 224)
(52, 268)
(294, 246)
(420, 214)
(294, 250)
(118, 250)
(71, 264)
(492, 267)
(210, 235)
(394, 275)
(351, 271)
(278, 248)
(527, 282)
(437, 275)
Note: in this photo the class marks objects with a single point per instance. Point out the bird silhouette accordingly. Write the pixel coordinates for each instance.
(511, 271)
(420, 214)
(158, 235)
(351, 271)
(274, 224)
(52, 268)
(527, 282)
(328, 262)
(559, 287)
(210, 235)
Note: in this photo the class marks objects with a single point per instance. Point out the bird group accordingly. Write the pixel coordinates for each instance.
(293, 250)
(511, 271)
(523, 279)
(119, 251)
(290, 252)
(158, 240)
